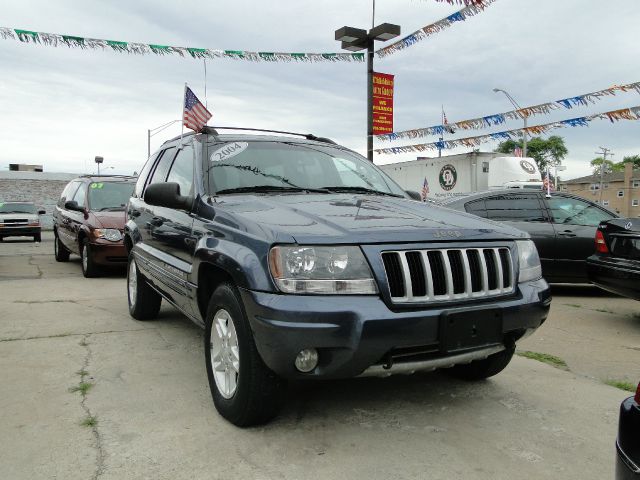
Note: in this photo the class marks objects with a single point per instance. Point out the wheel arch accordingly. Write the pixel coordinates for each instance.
(210, 277)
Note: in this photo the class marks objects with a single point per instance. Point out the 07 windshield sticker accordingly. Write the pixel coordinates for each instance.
(228, 151)
(97, 185)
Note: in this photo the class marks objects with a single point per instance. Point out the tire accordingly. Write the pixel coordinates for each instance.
(37, 238)
(144, 301)
(89, 268)
(481, 369)
(253, 394)
(59, 250)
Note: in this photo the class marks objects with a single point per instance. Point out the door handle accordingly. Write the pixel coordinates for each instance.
(567, 233)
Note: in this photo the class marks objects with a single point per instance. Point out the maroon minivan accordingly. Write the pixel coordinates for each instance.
(89, 221)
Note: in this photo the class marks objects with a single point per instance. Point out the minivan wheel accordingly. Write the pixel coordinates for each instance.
(89, 268)
(61, 253)
(481, 369)
(144, 301)
(244, 390)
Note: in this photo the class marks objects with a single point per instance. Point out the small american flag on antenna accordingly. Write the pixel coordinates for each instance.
(195, 115)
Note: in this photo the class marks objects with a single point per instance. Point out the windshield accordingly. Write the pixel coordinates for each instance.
(236, 167)
(16, 207)
(109, 195)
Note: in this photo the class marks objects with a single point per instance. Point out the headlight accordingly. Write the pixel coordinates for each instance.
(111, 234)
(529, 261)
(318, 270)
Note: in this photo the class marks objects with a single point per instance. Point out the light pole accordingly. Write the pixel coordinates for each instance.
(98, 161)
(355, 39)
(524, 132)
(154, 131)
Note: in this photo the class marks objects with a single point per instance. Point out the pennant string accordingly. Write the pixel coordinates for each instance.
(632, 113)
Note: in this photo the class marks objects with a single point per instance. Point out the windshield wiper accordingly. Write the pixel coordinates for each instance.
(340, 189)
(270, 188)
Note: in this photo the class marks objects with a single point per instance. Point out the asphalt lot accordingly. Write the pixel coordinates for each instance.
(155, 418)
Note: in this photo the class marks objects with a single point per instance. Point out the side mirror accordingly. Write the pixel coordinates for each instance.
(167, 195)
(414, 195)
(73, 205)
(41, 212)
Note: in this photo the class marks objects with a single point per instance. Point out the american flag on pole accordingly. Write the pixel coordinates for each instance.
(425, 190)
(547, 184)
(517, 152)
(195, 115)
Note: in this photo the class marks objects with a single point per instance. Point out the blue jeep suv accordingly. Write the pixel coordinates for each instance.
(302, 260)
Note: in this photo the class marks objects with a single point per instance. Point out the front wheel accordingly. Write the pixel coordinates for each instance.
(481, 369)
(89, 268)
(144, 301)
(244, 390)
(37, 238)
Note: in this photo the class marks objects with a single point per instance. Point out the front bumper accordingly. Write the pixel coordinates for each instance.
(616, 275)
(108, 253)
(353, 333)
(20, 231)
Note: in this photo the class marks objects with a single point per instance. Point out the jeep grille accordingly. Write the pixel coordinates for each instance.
(448, 274)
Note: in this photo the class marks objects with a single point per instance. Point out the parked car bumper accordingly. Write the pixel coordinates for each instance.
(108, 253)
(360, 334)
(21, 231)
(616, 275)
(628, 442)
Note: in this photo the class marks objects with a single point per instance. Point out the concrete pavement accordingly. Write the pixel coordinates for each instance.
(155, 418)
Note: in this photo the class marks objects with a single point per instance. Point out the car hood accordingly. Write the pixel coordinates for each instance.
(107, 219)
(348, 218)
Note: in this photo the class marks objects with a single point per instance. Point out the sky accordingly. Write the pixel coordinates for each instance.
(62, 107)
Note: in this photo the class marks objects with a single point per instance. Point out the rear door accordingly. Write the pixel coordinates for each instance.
(524, 211)
(575, 222)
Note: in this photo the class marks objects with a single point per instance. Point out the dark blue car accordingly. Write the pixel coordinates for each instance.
(302, 260)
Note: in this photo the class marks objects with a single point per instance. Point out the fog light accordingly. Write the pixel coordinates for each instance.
(307, 360)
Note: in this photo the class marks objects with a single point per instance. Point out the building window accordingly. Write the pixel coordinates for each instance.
(634, 202)
(620, 193)
(605, 203)
(636, 184)
(563, 188)
(594, 186)
(605, 185)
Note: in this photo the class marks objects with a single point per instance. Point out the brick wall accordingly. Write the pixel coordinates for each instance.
(44, 193)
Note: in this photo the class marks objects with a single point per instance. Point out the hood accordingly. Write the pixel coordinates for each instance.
(348, 218)
(107, 219)
(18, 216)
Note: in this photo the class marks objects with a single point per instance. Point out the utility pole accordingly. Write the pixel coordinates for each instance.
(604, 152)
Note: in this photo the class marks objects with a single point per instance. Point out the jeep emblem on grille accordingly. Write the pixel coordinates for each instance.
(447, 233)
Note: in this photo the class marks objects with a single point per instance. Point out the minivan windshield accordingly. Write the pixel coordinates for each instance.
(105, 196)
(277, 167)
(17, 207)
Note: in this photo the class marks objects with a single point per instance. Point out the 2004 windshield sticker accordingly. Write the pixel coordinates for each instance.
(227, 151)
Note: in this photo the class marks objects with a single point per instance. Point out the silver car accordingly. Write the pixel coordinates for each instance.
(20, 219)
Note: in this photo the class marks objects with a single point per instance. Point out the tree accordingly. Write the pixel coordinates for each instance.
(635, 159)
(609, 166)
(546, 153)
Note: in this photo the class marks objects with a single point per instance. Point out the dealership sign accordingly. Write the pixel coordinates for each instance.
(382, 103)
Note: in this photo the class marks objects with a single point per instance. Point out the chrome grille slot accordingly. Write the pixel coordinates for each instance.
(416, 276)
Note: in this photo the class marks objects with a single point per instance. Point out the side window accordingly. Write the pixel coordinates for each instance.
(182, 170)
(571, 211)
(81, 195)
(476, 207)
(67, 193)
(515, 208)
(144, 173)
(162, 166)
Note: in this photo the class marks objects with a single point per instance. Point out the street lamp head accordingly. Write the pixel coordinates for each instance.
(99, 160)
(496, 90)
(384, 32)
(355, 46)
(350, 34)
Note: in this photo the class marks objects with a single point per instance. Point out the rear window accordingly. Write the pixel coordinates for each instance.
(16, 207)
(105, 196)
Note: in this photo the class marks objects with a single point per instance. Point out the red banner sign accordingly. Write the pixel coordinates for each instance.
(382, 103)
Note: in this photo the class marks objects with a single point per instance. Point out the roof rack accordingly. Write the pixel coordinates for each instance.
(308, 136)
(214, 131)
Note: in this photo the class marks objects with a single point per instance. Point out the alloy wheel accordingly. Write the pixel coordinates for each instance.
(225, 353)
